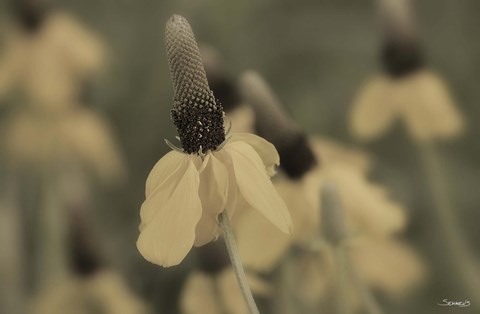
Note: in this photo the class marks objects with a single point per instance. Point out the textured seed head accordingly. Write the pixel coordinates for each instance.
(196, 114)
(275, 125)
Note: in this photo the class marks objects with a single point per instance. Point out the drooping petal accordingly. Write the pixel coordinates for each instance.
(255, 185)
(260, 244)
(266, 150)
(368, 210)
(169, 235)
(213, 194)
(387, 264)
(231, 295)
(372, 112)
(161, 183)
(198, 295)
(165, 167)
(429, 110)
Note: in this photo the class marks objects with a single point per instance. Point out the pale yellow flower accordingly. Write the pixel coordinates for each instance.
(218, 294)
(189, 187)
(420, 100)
(368, 209)
(105, 292)
(38, 137)
(49, 66)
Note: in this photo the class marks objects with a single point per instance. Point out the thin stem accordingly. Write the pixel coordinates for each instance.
(458, 249)
(237, 263)
(337, 234)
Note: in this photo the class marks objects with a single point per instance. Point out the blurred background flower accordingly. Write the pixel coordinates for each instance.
(85, 98)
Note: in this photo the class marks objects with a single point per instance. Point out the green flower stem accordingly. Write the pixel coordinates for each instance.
(457, 248)
(237, 263)
(337, 234)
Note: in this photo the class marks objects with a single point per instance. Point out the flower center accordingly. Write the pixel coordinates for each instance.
(199, 122)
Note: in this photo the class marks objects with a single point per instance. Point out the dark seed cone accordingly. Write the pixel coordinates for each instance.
(195, 113)
(401, 53)
(274, 124)
(333, 223)
(31, 14)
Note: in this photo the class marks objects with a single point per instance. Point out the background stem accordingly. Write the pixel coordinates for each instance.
(236, 262)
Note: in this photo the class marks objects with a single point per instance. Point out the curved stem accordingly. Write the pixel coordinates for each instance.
(459, 251)
(236, 262)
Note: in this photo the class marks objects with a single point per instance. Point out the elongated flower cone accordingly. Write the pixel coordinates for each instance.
(195, 113)
(274, 124)
(190, 187)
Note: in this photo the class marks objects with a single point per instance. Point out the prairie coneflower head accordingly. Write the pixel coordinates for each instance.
(212, 172)
(405, 89)
(274, 124)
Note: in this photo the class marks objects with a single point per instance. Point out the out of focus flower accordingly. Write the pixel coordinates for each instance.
(368, 211)
(189, 187)
(38, 137)
(212, 288)
(406, 89)
(104, 293)
(49, 66)
(421, 100)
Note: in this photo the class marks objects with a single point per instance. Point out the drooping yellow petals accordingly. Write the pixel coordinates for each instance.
(387, 264)
(421, 100)
(266, 150)
(172, 212)
(260, 244)
(198, 295)
(255, 185)
(367, 207)
(213, 194)
(372, 112)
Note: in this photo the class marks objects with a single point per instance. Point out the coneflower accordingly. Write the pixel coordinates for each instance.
(193, 190)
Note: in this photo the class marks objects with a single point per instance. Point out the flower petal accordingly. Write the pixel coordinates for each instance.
(166, 166)
(198, 295)
(256, 187)
(254, 234)
(373, 112)
(167, 238)
(264, 149)
(213, 194)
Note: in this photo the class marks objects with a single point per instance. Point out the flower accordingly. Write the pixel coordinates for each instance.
(406, 89)
(371, 218)
(212, 287)
(189, 187)
(105, 292)
(50, 65)
(421, 100)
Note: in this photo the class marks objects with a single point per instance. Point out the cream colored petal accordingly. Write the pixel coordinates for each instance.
(198, 295)
(241, 119)
(256, 187)
(112, 293)
(429, 110)
(167, 238)
(264, 149)
(213, 194)
(389, 265)
(231, 296)
(162, 170)
(303, 201)
(331, 152)
(367, 208)
(161, 183)
(372, 112)
(260, 244)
